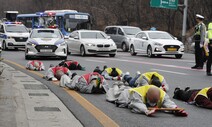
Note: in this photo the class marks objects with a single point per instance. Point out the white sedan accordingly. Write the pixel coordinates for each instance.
(46, 43)
(91, 42)
(156, 43)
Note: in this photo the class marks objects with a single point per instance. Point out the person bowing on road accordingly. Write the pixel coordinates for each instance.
(72, 65)
(112, 73)
(35, 65)
(145, 100)
(199, 97)
(147, 78)
(55, 73)
(87, 83)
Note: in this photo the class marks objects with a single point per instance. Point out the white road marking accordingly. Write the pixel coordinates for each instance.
(189, 61)
(173, 72)
(150, 63)
(99, 61)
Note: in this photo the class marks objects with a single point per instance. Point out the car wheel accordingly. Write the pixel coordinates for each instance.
(132, 51)
(178, 56)
(112, 55)
(82, 51)
(149, 51)
(159, 55)
(124, 47)
(5, 46)
(68, 52)
(27, 57)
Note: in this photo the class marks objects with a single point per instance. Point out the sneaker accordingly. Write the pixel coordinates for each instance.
(137, 73)
(209, 74)
(127, 73)
(187, 88)
(194, 67)
(51, 65)
(176, 90)
(176, 93)
(199, 68)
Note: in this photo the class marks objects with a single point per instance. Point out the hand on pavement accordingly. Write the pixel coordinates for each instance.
(150, 112)
(54, 79)
(181, 113)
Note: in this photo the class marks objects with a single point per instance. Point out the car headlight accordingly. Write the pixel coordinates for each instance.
(31, 43)
(62, 44)
(128, 39)
(89, 44)
(113, 44)
(181, 45)
(157, 44)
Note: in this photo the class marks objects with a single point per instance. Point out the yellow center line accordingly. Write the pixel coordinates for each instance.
(105, 120)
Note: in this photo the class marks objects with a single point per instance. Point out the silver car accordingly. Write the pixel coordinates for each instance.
(122, 35)
(46, 43)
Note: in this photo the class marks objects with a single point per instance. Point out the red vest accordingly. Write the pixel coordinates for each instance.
(68, 63)
(33, 62)
(63, 69)
(88, 76)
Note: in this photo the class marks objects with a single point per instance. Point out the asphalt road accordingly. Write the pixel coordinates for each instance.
(176, 71)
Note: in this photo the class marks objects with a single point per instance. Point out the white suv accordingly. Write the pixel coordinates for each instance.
(13, 35)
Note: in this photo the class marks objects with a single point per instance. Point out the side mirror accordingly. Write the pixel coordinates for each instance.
(66, 37)
(175, 38)
(108, 37)
(76, 37)
(144, 38)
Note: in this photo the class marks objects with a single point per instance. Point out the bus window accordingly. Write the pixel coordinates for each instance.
(27, 21)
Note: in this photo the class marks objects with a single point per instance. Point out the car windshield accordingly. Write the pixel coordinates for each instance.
(46, 34)
(131, 31)
(158, 35)
(16, 29)
(92, 35)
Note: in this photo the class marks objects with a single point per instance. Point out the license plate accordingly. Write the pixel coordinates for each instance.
(103, 50)
(45, 50)
(171, 49)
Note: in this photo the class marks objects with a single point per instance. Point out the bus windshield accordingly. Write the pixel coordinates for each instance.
(45, 21)
(46, 34)
(76, 22)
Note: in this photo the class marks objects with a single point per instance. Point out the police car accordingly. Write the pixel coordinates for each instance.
(45, 42)
(13, 35)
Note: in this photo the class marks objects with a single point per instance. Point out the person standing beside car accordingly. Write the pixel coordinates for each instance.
(208, 71)
(199, 38)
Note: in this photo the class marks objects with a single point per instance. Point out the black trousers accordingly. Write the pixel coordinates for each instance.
(199, 53)
(209, 62)
(184, 95)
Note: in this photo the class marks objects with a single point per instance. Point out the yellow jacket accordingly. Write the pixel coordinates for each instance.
(203, 92)
(142, 91)
(109, 70)
(149, 75)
